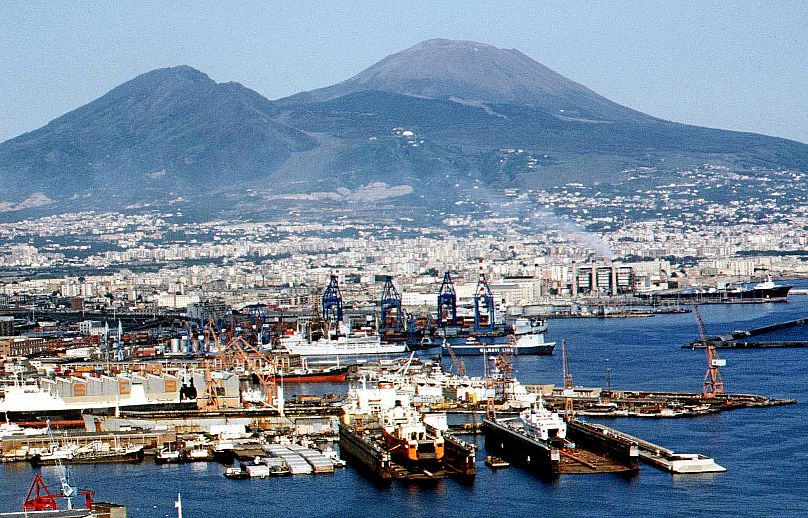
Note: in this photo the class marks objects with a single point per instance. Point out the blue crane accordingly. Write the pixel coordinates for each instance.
(447, 301)
(391, 317)
(483, 306)
(332, 301)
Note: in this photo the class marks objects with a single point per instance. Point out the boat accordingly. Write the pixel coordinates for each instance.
(766, 291)
(236, 473)
(527, 339)
(9, 429)
(495, 462)
(340, 343)
(406, 436)
(198, 453)
(224, 451)
(168, 456)
(96, 452)
(541, 424)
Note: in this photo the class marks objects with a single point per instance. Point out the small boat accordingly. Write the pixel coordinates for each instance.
(168, 456)
(496, 462)
(236, 473)
(199, 453)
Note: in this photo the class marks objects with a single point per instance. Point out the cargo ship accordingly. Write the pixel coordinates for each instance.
(767, 291)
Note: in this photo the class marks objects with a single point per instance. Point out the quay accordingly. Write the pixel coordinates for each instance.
(22, 448)
(731, 344)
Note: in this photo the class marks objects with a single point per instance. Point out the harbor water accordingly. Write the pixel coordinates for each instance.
(764, 450)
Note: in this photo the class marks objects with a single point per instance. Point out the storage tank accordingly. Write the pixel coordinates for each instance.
(175, 346)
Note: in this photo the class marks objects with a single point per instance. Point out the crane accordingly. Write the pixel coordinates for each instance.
(239, 355)
(447, 300)
(483, 305)
(569, 412)
(713, 384)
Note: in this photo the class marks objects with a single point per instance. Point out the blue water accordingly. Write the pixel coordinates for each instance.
(764, 450)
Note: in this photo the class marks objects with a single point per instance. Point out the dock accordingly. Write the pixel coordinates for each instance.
(588, 450)
(730, 340)
(665, 459)
(361, 447)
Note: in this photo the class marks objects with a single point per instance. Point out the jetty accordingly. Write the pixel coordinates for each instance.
(731, 340)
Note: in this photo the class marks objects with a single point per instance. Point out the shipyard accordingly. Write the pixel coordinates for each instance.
(242, 390)
(269, 259)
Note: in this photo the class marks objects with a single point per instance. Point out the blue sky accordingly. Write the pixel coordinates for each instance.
(734, 65)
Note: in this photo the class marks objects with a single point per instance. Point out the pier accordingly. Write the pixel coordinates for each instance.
(663, 458)
(730, 340)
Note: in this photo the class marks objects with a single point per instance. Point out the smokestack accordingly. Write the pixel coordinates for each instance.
(574, 279)
(614, 278)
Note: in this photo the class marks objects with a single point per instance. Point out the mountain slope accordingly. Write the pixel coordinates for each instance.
(171, 128)
(428, 121)
(475, 72)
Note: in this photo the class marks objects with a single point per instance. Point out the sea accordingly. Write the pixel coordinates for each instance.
(765, 450)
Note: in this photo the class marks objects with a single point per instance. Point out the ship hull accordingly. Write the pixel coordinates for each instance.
(336, 375)
(96, 458)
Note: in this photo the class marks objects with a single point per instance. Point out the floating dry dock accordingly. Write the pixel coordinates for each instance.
(364, 448)
(665, 459)
(587, 450)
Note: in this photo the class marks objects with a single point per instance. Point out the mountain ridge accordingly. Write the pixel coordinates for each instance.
(174, 132)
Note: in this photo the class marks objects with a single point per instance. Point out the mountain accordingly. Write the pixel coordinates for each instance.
(473, 72)
(169, 129)
(422, 127)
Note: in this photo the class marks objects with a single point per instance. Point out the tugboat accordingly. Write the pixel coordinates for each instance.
(168, 456)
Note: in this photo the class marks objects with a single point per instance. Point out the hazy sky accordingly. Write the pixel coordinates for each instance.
(733, 65)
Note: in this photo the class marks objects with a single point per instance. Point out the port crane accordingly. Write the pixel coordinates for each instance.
(391, 315)
(332, 301)
(239, 356)
(483, 305)
(447, 302)
(713, 384)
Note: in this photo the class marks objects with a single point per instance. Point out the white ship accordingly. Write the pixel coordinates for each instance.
(69, 396)
(342, 343)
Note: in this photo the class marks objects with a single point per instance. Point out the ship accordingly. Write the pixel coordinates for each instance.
(340, 343)
(93, 453)
(406, 436)
(67, 398)
(766, 291)
(527, 339)
(382, 433)
(333, 374)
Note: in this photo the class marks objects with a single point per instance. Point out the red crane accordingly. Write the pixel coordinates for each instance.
(713, 384)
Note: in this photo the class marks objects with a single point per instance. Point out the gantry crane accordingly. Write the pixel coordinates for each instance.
(713, 384)
(447, 302)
